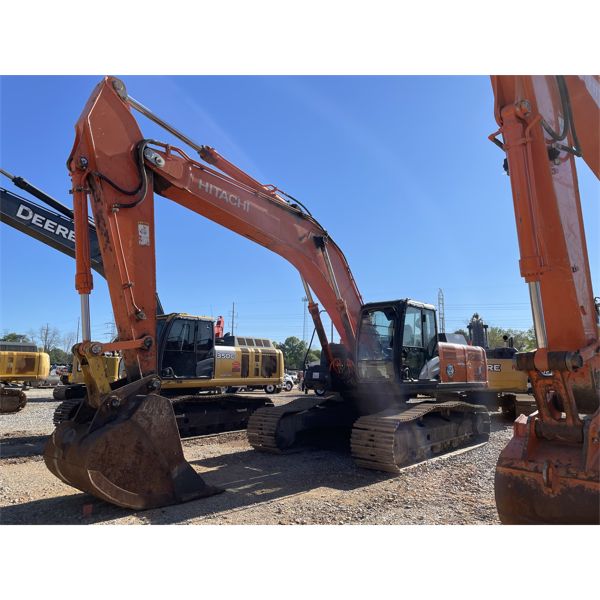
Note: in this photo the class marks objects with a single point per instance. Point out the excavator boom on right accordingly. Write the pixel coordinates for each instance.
(549, 472)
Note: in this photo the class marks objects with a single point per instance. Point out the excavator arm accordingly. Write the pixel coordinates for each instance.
(550, 470)
(119, 170)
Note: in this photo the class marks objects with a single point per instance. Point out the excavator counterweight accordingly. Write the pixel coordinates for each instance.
(20, 363)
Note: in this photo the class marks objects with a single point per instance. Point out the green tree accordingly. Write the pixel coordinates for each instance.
(523, 340)
(14, 337)
(60, 357)
(313, 355)
(294, 351)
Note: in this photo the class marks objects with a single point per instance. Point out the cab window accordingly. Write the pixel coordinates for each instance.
(376, 336)
(160, 329)
(375, 345)
(428, 327)
(181, 336)
(204, 341)
(413, 335)
(179, 357)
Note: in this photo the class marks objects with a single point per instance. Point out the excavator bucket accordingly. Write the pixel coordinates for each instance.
(12, 400)
(129, 454)
(542, 481)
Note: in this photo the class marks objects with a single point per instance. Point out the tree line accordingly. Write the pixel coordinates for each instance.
(50, 340)
(523, 339)
(47, 339)
(294, 353)
(58, 346)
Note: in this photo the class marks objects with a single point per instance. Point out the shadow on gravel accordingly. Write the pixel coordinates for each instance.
(77, 509)
(15, 447)
(249, 479)
(500, 422)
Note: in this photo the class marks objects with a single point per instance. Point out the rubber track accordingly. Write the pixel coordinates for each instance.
(373, 439)
(263, 423)
(12, 400)
(214, 398)
(64, 409)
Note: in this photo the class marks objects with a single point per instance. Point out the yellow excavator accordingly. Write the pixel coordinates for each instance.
(196, 357)
(507, 385)
(20, 362)
(200, 370)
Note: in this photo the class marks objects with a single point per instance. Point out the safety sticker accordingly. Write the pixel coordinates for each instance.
(143, 234)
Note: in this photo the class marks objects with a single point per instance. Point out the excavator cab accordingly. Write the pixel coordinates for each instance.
(186, 347)
(410, 382)
(395, 340)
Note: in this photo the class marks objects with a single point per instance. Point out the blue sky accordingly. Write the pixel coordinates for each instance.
(398, 170)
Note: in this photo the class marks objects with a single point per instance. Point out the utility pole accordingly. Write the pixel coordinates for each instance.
(441, 315)
(111, 330)
(77, 336)
(233, 319)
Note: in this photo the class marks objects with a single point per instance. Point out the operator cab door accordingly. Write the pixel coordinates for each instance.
(205, 350)
(188, 349)
(418, 340)
(179, 357)
(375, 351)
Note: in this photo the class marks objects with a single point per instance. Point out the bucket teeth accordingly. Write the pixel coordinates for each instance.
(130, 456)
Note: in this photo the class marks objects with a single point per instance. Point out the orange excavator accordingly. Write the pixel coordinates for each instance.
(549, 472)
(122, 444)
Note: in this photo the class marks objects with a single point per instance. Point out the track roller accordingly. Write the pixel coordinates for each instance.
(299, 424)
(392, 439)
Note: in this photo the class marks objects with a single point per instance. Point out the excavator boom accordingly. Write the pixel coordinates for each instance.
(118, 170)
(228, 197)
(550, 472)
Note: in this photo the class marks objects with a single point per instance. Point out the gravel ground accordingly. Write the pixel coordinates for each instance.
(316, 487)
(35, 418)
